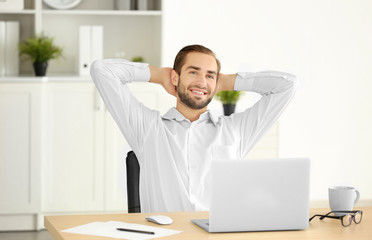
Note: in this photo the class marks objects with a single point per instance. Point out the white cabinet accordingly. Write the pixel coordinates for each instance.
(73, 165)
(20, 153)
(61, 151)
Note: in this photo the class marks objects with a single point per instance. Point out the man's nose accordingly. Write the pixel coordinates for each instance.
(202, 80)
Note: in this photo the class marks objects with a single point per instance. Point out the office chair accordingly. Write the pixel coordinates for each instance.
(133, 173)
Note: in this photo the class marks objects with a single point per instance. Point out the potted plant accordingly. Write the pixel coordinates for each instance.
(229, 100)
(40, 49)
(138, 59)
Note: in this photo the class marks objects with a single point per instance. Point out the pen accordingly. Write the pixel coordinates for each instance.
(135, 231)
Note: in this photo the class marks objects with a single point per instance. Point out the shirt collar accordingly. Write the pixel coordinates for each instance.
(174, 114)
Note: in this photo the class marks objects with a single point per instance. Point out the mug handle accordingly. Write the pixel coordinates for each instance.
(357, 196)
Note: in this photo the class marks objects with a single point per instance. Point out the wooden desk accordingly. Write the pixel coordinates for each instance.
(318, 229)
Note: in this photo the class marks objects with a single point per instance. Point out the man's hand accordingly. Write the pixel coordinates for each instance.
(225, 82)
(163, 76)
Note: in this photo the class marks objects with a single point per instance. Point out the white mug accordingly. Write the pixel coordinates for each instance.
(342, 198)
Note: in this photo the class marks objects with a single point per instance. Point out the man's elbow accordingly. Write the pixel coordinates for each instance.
(99, 70)
(96, 65)
(290, 83)
(294, 81)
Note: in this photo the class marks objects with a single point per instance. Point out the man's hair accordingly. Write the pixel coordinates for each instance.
(179, 61)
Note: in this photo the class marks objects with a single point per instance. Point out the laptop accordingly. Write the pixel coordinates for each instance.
(258, 195)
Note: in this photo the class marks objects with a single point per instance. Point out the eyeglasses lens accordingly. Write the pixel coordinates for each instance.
(358, 217)
(346, 220)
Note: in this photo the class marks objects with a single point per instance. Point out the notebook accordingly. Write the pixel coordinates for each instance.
(258, 195)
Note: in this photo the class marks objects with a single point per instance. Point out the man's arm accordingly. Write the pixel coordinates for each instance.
(111, 77)
(276, 90)
(163, 76)
(225, 82)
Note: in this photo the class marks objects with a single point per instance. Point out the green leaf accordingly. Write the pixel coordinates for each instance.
(229, 97)
(40, 48)
(138, 59)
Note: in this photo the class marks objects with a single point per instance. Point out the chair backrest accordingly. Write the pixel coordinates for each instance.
(133, 173)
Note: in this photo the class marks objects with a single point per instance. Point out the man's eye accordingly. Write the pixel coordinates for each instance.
(193, 72)
(211, 76)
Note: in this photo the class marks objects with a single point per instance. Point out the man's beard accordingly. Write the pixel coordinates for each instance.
(188, 101)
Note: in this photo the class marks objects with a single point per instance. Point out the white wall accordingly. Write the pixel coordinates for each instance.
(326, 43)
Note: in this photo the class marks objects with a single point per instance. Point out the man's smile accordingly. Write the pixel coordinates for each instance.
(198, 92)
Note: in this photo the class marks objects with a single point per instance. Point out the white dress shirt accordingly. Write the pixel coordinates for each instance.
(175, 154)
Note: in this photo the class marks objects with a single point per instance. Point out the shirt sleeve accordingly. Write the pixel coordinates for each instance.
(276, 90)
(111, 77)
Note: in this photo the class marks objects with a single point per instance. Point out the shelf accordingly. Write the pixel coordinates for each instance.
(102, 12)
(50, 78)
(135, 32)
(27, 11)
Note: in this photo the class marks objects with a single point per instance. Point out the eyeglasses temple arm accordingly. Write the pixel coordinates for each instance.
(315, 216)
(325, 216)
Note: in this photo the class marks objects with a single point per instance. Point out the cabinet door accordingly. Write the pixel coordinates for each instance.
(20, 139)
(73, 173)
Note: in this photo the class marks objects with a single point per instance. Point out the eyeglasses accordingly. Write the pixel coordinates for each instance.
(346, 217)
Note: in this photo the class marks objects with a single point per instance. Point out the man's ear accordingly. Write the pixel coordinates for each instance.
(174, 78)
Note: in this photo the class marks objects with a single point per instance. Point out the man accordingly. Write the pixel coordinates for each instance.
(175, 150)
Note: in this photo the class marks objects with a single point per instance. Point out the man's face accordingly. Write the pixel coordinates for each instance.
(197, 81)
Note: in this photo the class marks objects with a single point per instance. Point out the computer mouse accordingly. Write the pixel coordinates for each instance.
(160, 219)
